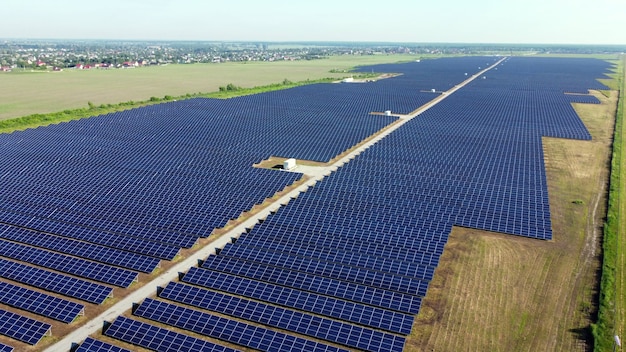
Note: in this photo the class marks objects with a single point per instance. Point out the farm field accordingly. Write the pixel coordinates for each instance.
(493, 292)
(25, 93)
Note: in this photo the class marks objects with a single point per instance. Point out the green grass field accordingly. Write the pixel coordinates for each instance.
(620, 265)
(25, 93)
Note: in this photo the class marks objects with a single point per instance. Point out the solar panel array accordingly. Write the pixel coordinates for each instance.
(287, 319)
(72, 265)
(5, 348)
(22, 328)
(158, 339)
(381, 222)
(88, 204)
(91, 251)
(305, 301)
(349, 261)
(93, 345)
(225, 329)
(53, 282)
(39, 303)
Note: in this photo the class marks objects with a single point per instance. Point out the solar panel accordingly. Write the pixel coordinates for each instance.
(79, 267)
(370, 262)
(93, 345)
(22, 328)
(306, 301)
(39, 303)
(5, 348)
(119, 241)
(269, 235)
(343, 289)
(300, 300)
(158, 339)
(225, 329)
(54, 282)
(388, 281)
(81, 249)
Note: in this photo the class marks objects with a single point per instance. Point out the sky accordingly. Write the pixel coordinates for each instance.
(405, 21)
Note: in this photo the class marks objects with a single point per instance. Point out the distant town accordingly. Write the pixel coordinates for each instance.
(57, 55)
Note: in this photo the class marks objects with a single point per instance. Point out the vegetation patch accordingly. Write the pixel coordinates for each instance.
(610, 320)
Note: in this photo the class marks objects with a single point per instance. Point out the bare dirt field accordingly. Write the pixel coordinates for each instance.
(494, 292)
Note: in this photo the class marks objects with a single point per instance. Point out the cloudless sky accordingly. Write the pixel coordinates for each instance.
(415, 21)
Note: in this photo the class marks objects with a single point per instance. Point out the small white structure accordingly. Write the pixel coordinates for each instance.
(433, 90)
(289, 164)
(348, 80)
(387, 112)
(418, 60)
(466, 73)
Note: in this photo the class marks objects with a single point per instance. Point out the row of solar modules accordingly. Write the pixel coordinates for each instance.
(21, 328)
(550, 74)
(142, 206)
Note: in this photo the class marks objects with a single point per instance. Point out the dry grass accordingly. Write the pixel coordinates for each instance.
(495, 292)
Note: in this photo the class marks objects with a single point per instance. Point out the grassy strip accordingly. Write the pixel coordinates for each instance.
(620, 303)
(610, 297)
(230, 91)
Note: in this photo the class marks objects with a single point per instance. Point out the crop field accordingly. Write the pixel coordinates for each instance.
(500, 293)
(25, 93)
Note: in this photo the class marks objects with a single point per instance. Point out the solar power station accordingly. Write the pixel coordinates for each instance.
(89, 207)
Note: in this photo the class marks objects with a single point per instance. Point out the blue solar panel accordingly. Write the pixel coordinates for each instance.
(22, 328)
(39, 303)
(54, 282)
(80, 249)
(342, 289)
(355, 249)
(158, 339)
(79, 267)
(372, 262)
(251, 310)
(386, 280)
(165, 236)
(306, 301)
(225, 329)
(93, 345)
(130, 244)
(5, 348)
